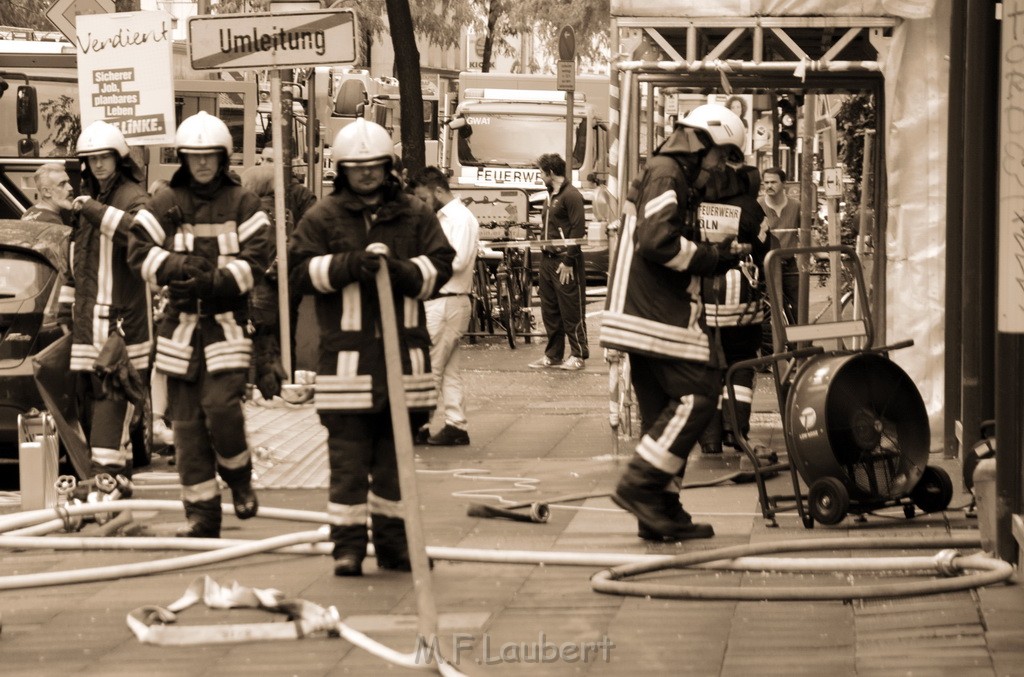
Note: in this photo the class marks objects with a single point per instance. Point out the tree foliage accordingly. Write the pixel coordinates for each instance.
(591, 19)
(25, 14)
(65, 124)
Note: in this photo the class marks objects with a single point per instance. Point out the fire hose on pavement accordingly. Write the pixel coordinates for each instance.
(27, 529)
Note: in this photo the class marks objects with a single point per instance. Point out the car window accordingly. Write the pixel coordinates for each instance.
(22, 276)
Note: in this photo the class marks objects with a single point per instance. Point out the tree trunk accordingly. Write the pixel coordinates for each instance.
(493, 14)
(407, 67)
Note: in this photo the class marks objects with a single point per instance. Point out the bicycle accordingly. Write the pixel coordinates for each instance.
(502, 295)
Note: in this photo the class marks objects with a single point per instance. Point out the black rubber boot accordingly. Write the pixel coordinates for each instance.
(204, 518)
(711, 438)
(389, 543)
(640, 491)
(685, 528)
(244, 498)
(349, 549)
(729, 437)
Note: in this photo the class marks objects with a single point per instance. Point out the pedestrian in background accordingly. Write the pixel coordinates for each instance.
(653, 314)
(561, 282)
(105, 292)
(53, 195)
(449, 309)
(328, 259)
(784, 224)
(205, 238)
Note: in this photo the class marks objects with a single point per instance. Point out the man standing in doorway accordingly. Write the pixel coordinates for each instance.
(562, 282)
(784, 223)
(448, 310)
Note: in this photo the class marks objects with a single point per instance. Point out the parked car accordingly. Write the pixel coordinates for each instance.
(33, 261)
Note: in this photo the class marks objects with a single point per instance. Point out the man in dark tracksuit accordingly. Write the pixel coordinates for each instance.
(328, 259)
(654, 312)
(205, 238)
(107, 295)
(562, 276)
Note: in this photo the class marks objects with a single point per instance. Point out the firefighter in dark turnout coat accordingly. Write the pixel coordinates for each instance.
(654, 314)
(734, 310)
(329, 259)
(107, 296)
(205, 237)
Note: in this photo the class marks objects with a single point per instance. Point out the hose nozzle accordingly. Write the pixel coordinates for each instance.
(539, 513)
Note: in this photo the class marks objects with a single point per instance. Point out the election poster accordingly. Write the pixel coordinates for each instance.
(125, 74)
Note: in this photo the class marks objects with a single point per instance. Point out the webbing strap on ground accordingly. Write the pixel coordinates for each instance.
(153, 624)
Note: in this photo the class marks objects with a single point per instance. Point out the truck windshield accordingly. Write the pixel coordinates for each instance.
(516, 140)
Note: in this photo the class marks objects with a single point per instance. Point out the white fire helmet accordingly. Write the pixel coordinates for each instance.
(101, 137)
(203, 133)
(362, 143)
(723, 127)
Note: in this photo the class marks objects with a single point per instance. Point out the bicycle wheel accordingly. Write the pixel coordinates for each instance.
(480, 316)
(506, 312)
(522, 293)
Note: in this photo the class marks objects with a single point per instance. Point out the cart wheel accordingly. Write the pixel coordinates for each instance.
(933, 491)
(828, 500)
(908, 511)
(808, 522)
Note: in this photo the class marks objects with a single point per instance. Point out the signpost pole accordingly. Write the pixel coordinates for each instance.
(279, 224)
(567, 52)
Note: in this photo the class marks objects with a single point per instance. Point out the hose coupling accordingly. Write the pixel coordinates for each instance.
(945, 563)
(65, 486)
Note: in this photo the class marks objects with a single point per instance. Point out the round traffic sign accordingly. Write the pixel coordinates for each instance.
(567, 44)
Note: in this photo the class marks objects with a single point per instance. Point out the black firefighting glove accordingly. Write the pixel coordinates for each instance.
(363, 266)
(200, 272)
(269, 372)
(181, 291)
(405, 276)
(728, 256)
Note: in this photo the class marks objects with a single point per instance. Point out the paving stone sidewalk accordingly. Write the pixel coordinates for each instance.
(534, 435)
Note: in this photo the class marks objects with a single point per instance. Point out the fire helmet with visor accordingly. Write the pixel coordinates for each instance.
(101, 137)
(203, 133)
(716, 125)
(362, 144)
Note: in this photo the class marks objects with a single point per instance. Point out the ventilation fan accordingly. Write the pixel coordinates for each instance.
(857, 433)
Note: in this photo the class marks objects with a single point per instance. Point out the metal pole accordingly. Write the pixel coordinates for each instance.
(281, 237)
(314, 165)
(1010, 336)
(808, 204)
(981, 91)
(954, 232)
(569, 134)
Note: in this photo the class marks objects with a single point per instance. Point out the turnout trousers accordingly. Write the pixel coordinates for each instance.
(364, 484)
(209, 438)
(675, 399)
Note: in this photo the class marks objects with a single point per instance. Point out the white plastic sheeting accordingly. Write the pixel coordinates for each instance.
(916, 70)
(917, 103)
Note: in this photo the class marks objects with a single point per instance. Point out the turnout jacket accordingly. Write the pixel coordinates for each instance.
(226, 225)
(654, 304)
(324, 261)
(104, 291)
(736, 298)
